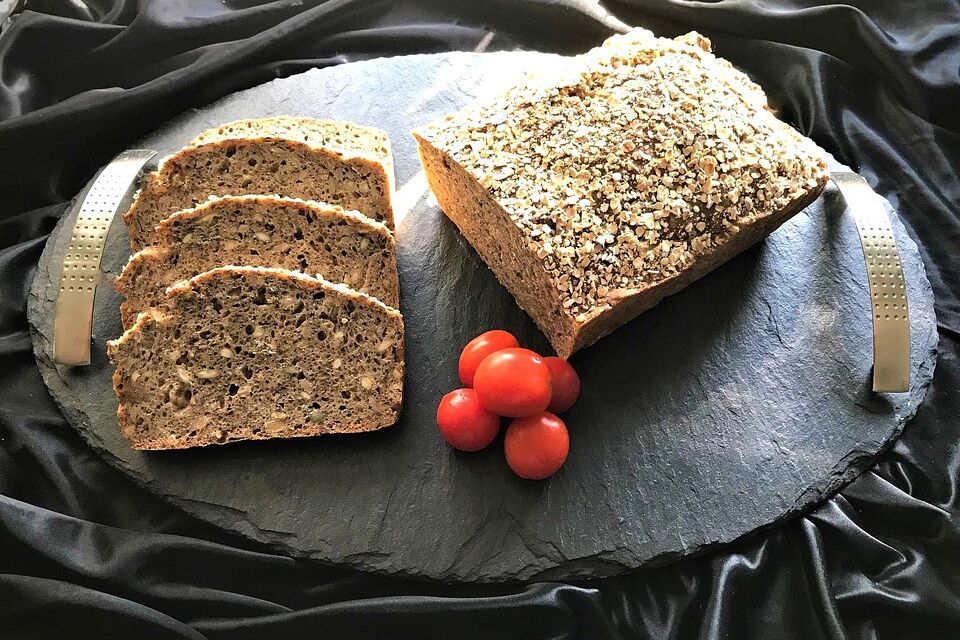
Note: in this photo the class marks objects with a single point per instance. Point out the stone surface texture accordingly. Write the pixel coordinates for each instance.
(733, 405)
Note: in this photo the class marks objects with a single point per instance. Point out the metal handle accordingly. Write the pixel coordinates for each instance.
(80, 274)
(888, 293)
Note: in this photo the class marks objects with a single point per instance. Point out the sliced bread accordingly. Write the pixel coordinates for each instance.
(251, 160)
(264, 231)
(347, 138)
(609, 182)
(250, 353)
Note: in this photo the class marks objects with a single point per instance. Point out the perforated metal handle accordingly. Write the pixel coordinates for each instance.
(888, 293)
(80, 274)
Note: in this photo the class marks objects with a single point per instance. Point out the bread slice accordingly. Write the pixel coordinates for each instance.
(329, 161)
(246, 353)
(596, 189)
(347, 138)
(263, 231)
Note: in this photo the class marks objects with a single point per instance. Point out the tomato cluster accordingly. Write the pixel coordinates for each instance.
(502, 379)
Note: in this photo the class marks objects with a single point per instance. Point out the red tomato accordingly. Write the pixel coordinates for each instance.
(565, 384)
(481, 347)
(464, 423)
(536, 446)
(513, 382)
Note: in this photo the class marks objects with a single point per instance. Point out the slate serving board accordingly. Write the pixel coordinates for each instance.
(733, 405)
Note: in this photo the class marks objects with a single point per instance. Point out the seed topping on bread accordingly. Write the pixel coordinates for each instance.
(623, 169)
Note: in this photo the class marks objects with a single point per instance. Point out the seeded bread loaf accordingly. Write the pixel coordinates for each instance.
(263, 231)
(600, 187)
(327, 163)
(246, 353)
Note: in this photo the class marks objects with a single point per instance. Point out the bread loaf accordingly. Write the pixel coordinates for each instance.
(266, 231)
(340, 163)
(600, 187)
(251, 353)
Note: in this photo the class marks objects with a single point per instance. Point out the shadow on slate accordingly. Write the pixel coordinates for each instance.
(737, 403)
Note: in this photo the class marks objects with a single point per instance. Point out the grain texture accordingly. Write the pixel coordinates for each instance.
(250, 353)
(262, 231)
(328, 165)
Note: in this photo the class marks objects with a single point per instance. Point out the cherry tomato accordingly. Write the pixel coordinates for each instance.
(464, 423)
(536, 446)
(481, 347)
(513, 382)
(565, 384)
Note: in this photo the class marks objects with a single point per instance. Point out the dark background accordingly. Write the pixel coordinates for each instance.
(85, 554)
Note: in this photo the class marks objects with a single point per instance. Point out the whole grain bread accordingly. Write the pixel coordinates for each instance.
(341, 163)
(346, 138)
(597, 188)
(265, 231)
(246, 353)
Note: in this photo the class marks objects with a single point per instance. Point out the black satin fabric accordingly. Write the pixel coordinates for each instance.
(85, 554)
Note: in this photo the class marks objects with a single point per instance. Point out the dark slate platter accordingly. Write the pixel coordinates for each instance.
(739, 402)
